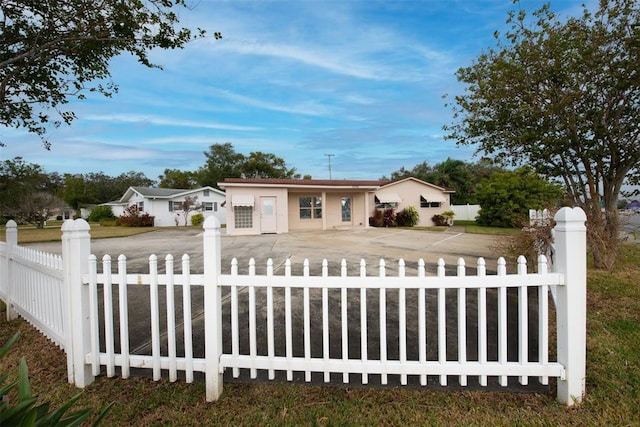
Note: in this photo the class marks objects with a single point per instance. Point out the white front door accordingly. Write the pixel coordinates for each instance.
(268, 221)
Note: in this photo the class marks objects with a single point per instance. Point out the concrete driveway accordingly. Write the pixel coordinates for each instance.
(370, 244)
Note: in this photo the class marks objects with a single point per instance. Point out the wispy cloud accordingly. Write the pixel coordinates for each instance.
(163, 121)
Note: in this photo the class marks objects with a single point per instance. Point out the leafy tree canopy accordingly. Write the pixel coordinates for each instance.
(224, 162)
(506, 197)
(564, 97)
(461, 176)
(175, 178)
(51, 51)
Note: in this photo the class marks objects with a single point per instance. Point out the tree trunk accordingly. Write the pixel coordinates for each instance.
(602, 238)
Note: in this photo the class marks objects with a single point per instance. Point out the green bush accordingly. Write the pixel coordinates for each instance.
(197, 219)
(408, 217)
(26, 412)
(100, 213)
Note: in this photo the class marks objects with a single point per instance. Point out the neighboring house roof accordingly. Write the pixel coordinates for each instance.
(164, 193)
(443, 189)
(302, 183)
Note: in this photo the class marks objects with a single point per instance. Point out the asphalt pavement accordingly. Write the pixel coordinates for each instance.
(352, 245)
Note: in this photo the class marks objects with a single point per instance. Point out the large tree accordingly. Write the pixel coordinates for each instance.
(564, 97)
(224, 162)
(51, 51)
(25, 192)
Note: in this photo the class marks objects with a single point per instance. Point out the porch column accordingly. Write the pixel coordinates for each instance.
(324, 210)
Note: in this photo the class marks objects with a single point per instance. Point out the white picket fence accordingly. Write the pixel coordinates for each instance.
(307, 324)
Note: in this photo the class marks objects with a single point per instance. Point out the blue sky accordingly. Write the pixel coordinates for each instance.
(361, 79)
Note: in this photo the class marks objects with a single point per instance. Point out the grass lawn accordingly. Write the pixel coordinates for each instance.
(613, 382)
(53, 232)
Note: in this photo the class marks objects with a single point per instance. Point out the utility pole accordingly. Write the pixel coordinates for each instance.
(329, 156)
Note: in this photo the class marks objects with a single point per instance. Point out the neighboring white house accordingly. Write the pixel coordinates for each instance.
(165, 204)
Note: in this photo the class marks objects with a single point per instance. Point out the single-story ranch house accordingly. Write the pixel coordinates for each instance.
(268, 205)
(165, 204)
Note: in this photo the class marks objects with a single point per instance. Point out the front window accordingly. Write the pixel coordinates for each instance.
(243, 216)
(210, 206)
(175, 206)
(424, 203)
(310, 207)
(140, 206)
(385, 205)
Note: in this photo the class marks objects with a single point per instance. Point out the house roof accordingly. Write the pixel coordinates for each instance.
(306, 183)
(164, 193)
(443, 189)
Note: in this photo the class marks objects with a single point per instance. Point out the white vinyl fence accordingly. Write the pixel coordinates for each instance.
(359, 328)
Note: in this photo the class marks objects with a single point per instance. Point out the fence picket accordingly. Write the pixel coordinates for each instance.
(543, 322)
(344, 321)
(171, 319)
(482, 320)
(325, 321)
(93, 314)
(270, 329)
(253, 347)
(383, 324)
(364, 349)
(307, 323)
(402, 320)
(187, 317)
(155, 317)
(442, 322)
(523, 319)
(108, 315)
(235, 338)
(287, 320)
(462, 321)
(422, 322)
(124, 315)
(502, 320)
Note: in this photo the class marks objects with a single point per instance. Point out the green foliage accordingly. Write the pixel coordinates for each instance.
(458, 175)
(197, 219)
(101, 212)
(561, 95)
(48, 54)
(97, 187)
(506, 197)
(223, 162)
(175, 178)
(408, 217)
(132, 218)
(27, 412)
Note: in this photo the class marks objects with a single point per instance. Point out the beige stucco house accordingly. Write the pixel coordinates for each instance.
(428, 199)
(267, 205)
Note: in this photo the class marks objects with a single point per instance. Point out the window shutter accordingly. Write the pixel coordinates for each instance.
(170, 205)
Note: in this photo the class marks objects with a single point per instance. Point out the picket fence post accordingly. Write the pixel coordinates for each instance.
(571, 302)
(11, 242)
(212, 308)
(76, 248)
